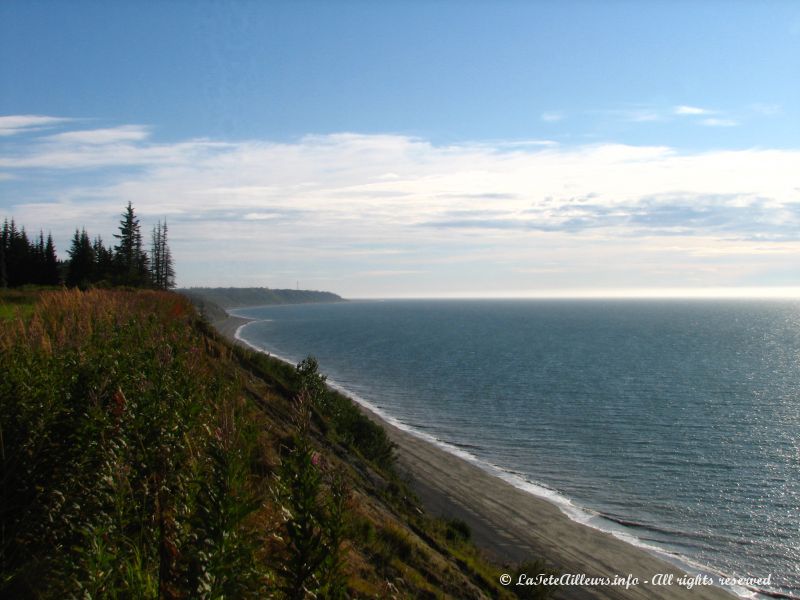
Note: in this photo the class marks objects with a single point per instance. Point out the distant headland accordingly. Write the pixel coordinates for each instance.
(215, 302)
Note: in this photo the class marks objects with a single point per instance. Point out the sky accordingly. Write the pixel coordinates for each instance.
(417, 149)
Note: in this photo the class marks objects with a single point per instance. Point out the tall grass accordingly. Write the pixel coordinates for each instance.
(124, 454)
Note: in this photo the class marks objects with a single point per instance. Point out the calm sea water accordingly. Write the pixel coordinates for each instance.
(675, 423)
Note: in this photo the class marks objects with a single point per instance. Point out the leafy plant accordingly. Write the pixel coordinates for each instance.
(312, 503)
(350, 424)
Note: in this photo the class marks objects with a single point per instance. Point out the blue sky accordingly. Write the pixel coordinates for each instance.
(417, 148)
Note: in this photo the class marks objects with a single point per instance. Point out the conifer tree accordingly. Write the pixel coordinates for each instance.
(163, 272)
(130, 259)
(16, 255)
(26, 264)
(37, 261)
(3, 246)
(104, 261)
(16, 259)
(82, 261)
(155, 256)
(51, 276)
(168, 268)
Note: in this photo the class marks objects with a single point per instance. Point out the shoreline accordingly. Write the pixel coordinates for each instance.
(512, 525)
(229, 327)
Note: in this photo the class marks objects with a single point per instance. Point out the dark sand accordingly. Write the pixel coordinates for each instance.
(227, 327)
(512, 525)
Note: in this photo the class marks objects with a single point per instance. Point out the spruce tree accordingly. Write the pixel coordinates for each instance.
(25, 258)
(3, 249)
(155, 257)
(104, 261)
(81, 263)
(51, 276)
(131, 261)
(167, 266)
(17, 256)
(37, 261)
(163, 272)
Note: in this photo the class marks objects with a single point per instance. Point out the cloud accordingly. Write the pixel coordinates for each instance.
(323, 207)
(691, 110)
(78, 153)
(643, 116)
(260, 216)
(766, 110)
(483, 196)
(741, 215)
(714, 122)
(16, 124)
(526, 143)
(114, 135)
(390, 272)
(719, 121)
(553, 116)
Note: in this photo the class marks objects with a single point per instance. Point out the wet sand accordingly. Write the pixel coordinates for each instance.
(227, 327)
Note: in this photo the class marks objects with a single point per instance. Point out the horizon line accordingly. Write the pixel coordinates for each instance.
(716, 293)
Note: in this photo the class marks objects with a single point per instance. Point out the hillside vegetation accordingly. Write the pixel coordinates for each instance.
(142, 456)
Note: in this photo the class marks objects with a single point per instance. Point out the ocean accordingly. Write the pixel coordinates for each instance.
(674, 424)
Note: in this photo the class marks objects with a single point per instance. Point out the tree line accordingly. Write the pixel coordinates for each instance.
(91, 263)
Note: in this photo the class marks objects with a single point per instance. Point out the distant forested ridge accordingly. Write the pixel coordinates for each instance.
(241, 297)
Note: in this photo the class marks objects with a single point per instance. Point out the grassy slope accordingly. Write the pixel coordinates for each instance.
(144, 456)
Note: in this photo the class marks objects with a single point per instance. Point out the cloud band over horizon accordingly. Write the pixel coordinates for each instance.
(388, 215)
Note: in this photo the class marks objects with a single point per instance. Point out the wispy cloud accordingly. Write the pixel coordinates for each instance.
(553, 116)
(766, 109)
(15, 124)
(710, 121)
(113, 135)
(691, 110)
(80, 153)
(525, 143)
(390, 272)
(641, 115)
(635, 114)
(714, 122)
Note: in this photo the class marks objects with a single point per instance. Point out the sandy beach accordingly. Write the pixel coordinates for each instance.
(227, 327)
(511, 525)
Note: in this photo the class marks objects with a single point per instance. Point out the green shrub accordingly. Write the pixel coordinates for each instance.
(312, 502)
(457, 530)
(352, 427)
